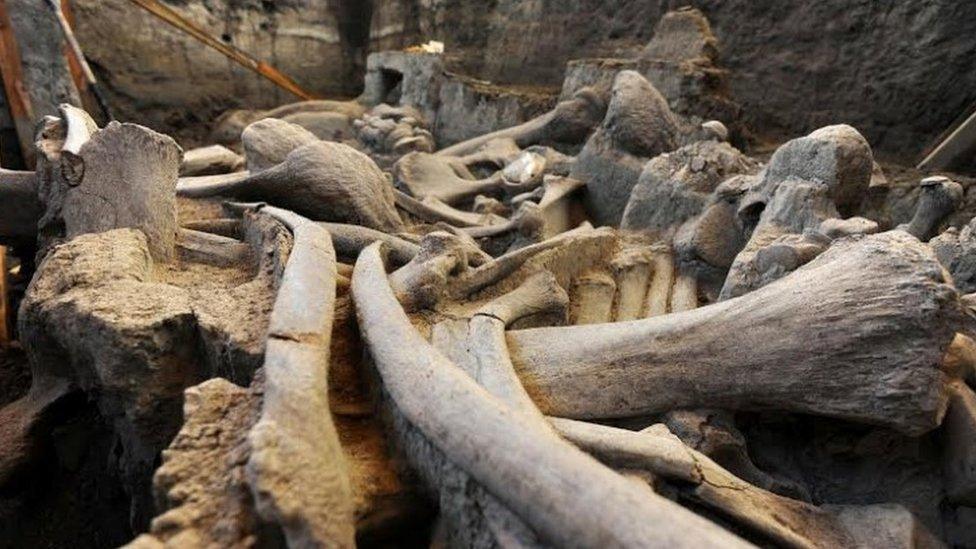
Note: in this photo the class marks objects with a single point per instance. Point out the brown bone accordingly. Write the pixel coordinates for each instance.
(858, 333)
(572, 500)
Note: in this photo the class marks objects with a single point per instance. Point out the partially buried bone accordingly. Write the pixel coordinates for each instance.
(576, 501)
(939, 197)
(211, 160)
(94, 180)
(425, 175)
(569, 122)
(694, 476)
(638, 126)
(323, 181)
(269, 141)
(879, 295)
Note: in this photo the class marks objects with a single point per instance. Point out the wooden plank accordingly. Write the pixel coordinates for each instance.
(12, 72)
(239, 56)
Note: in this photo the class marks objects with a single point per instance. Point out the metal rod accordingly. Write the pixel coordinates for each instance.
(242, 58)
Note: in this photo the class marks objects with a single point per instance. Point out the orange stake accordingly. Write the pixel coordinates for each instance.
(4, 303)
(77, 74)
(13, 85)
(242, 58)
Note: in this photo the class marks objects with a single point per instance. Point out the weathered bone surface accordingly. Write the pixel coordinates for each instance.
(578, 508)
(429, 176)
(940, 197)
(211, 160)
(570, 122)
(296, 469)
(784, 238)
(638, 125)
(326, 332)
(956, 250)
(323, 181)
(888, 284)
(675, 187)
(96, 180)
(268, 142)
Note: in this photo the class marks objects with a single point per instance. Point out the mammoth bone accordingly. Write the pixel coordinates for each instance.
(858, 333)
(324, 181)
(444, 416)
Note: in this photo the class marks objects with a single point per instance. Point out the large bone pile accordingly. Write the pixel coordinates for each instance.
(587, 330)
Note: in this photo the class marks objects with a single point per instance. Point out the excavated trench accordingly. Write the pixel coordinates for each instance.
(650, 276)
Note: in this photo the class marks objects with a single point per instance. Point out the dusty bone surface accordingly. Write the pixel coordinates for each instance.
(362, 340)
(881, 273)
(324, 181)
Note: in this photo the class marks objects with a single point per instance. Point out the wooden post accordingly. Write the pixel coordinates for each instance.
(4, 297)
(77, 73)
(13, 84)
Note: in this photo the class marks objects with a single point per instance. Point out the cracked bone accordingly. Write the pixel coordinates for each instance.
(676, 186)
(433, 210)
(297, 470)
(796, 207)
(569, 122)
(323, 181)
(425, 175)
(477, 345)
(97, 180)
(879, 295)
(662, 280)
(632, 270)
(713, 433)
(959, 447)
(592, 301)
(215, 159)
(576, 501)
(638, 126)
(788, 522)
(268, 142)
(939, 197)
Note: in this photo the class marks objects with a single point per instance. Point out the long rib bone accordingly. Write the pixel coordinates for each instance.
(572, 500)
(788, 522)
